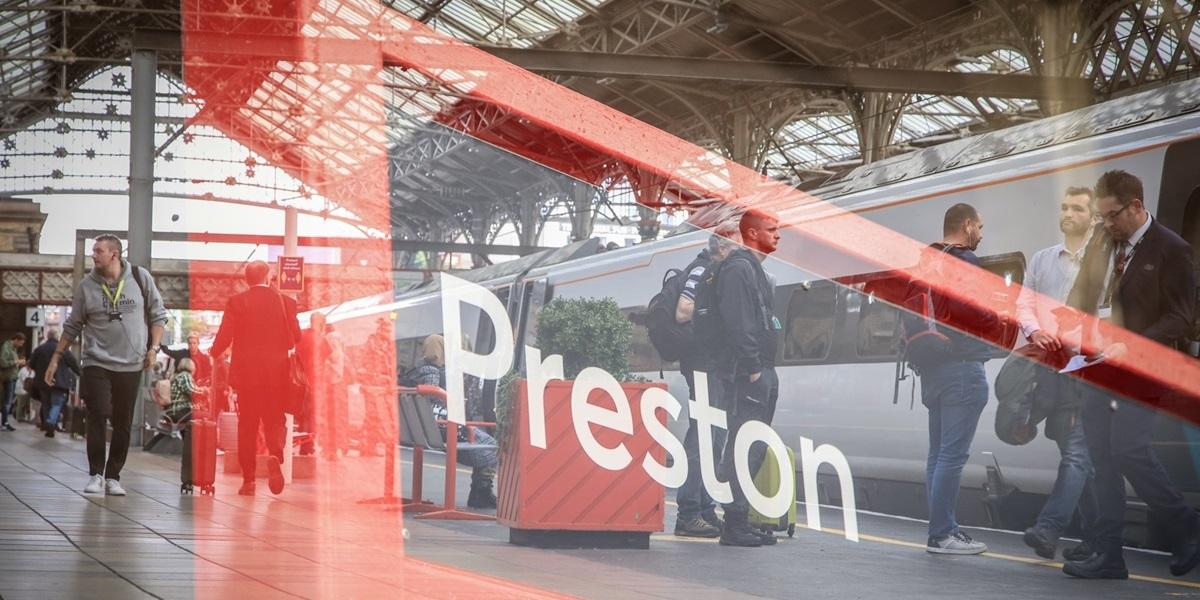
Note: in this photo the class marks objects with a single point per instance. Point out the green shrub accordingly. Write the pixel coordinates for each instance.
(587, 332)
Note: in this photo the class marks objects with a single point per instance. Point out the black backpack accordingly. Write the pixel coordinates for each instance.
(672, 339)
(922, 345)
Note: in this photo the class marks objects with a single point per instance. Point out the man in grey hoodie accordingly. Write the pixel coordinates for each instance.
(110, 305)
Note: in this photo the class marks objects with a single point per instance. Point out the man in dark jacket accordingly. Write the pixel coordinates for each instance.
(53, 397)
(260, 325)
(744, 369)
(955, 390)
(697, 510)
(1136, 274)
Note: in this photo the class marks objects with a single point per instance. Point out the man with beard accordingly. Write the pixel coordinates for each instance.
(955, 390)
(1048, 281)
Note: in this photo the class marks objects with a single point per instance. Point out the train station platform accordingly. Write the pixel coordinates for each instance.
(317, 541)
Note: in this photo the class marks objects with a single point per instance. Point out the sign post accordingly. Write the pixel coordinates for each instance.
(35, 316)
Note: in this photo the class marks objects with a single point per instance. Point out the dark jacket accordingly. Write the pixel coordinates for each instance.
(977, 323)
(200, 359)
(1156, 296)
(64, 377)
(745, 299)
(261, 330)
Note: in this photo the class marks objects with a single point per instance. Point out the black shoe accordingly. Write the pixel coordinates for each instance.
(767, 537)
(49, 433)
(481, 497)
(9, 427)
(714, 520)
(1186, 554)
(1042, 543)
(1078, 553)
(247, 489)
(1099, 566)
(741, 536)
(697, 528)
(275, 476)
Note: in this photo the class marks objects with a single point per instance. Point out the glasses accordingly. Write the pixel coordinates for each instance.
(1116, 213)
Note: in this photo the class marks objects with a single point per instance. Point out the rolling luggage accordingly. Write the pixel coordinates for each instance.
(767, 482)
(199, 469)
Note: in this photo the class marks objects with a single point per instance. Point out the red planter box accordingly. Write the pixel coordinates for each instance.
(561, 488)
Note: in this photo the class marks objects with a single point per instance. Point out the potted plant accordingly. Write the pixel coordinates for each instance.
(557, 496)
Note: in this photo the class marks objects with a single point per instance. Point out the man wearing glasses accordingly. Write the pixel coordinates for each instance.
(1138, 275)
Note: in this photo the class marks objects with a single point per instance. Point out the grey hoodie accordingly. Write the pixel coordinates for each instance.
(114, 345)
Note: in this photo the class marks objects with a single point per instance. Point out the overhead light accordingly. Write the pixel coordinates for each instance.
(606, 80)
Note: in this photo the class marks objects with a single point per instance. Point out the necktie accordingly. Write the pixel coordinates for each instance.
(1119, 262)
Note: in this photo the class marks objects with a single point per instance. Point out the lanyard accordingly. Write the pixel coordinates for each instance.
(112, 298)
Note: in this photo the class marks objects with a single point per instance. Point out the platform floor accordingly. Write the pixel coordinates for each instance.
(317, 541)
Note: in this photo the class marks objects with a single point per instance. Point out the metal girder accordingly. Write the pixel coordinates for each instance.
(564, 62)
(422, 245)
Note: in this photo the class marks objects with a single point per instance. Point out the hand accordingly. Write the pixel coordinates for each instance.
(1116, 350)
(50, 370)
(754, 376)
(151, 358)
(1045, 341)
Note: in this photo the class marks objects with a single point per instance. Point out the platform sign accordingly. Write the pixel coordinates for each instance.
(35, 316)
(291, 273)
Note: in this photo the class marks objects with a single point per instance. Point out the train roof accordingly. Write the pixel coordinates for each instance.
(1114, 115)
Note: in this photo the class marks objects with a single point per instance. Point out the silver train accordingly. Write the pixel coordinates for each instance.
(837, 359)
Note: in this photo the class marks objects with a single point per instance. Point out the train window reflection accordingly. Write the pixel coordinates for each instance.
(810, 320)
(878, 323)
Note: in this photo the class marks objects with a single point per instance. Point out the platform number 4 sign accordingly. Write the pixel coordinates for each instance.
(35, 316)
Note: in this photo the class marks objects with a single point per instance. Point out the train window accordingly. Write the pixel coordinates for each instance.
(810, 319)
(1010, 267)
(878, 322)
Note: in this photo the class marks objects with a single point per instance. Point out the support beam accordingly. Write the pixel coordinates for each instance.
(948, 83)
(320, 242)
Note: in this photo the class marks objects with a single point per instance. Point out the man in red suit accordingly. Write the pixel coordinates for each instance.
(260, 324)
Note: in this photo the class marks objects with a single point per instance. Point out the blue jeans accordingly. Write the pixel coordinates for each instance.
(1073, 489)
(482, 461)
(52, 408)
(955, 394)
(10, 392)
(692, 498)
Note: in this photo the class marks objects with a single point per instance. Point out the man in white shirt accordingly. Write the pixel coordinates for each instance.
(1048, 281)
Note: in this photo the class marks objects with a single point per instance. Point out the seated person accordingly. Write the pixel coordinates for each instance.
(185, 394)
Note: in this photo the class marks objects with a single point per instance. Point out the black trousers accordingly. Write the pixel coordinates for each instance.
(259, 405)
(109, 396)
(1119, 443)
(747, 402)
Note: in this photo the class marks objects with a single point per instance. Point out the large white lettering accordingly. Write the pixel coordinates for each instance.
(673, 476)
(584, 413)
(810, 461)
(769, 506)
(537, 375)
(459, 361)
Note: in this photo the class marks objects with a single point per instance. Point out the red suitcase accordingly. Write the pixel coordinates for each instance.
(199, 457)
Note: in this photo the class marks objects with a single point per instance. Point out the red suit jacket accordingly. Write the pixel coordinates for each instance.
(261, 330)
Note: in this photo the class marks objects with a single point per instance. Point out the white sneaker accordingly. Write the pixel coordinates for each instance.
(957, 543)
(112, 487)
(95, 485)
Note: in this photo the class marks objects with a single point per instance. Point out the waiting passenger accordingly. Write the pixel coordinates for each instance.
(184, 392)
(697, 510)
(483, 461)
(955, 391)
(1050, 274)
(1138, 275)
(744, 367)
(54, 395)
(10, 364)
